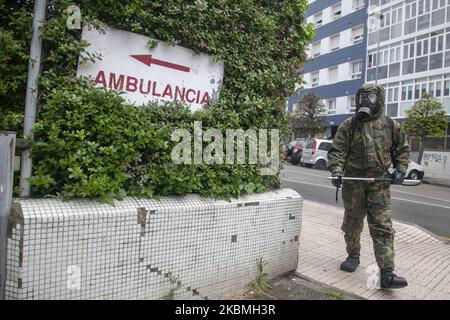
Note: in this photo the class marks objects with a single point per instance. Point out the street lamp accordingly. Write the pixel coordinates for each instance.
(375, 11)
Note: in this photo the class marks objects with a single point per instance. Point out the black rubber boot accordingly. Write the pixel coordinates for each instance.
(390, 281)
(351, 263)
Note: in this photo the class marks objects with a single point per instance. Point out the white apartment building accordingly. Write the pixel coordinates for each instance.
(411, 53)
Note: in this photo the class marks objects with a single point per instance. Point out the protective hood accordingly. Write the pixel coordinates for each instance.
(366, 88)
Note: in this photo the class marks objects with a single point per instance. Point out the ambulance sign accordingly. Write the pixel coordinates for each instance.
(163, 74)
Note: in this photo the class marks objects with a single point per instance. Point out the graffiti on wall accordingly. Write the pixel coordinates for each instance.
(435, 164)
(438, 157)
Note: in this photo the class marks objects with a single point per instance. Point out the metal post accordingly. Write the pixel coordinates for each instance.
(34, 67)
(445, 138)
(7, 148)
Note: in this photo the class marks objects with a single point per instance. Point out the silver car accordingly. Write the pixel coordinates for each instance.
(315, 153)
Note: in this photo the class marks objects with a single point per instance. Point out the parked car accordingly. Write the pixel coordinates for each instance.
(315, 153)
(414, 172)
(296, 153)
(289, 147)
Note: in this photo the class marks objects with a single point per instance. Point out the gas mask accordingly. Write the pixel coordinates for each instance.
(368, 104)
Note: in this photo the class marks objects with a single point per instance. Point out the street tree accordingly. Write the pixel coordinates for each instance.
(426, 117)
(309, 114)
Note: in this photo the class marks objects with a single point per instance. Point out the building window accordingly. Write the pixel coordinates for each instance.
(408, 67)
(423, 22)
(408, 51)
(438, 16)
(407, 92)
(336, 11)
(424, 6)
(392, 110)
(447, 87)
(356, 70)
(358, 4)
(436, 43)
(436, 61)
(373, 24)
(435, 87)
(384, 57)
(385, 20)
(437, 4)
(410, 10)
(352, 104)
(447, 39)
(422, 47)
(422, 64)
(394, 54)
(315, 79)
(397, 15)
(372, 60)
(333, 75)
(318, 19)
(332, 106)
(394, 69)
(358, 34)
(392, 94)
(410, 18)
(447, 59)
(334, 42)
(396, 22)
(316, 49)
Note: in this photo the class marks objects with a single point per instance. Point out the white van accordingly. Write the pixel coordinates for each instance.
(315, 153)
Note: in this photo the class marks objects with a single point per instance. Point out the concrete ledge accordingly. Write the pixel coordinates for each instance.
(179, 247)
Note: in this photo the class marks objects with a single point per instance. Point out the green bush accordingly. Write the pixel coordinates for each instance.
(89, 142)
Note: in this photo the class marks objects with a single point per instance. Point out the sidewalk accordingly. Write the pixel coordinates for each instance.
(422, 259)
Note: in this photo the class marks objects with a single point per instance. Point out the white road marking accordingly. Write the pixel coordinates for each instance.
(418, 195)
(309, 174)
(309, 183)
(420, 202)
(401, 199)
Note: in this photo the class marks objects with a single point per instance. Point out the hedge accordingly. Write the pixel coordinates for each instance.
(90, 142)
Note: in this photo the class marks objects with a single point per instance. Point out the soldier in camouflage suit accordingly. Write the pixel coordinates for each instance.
(367, 154)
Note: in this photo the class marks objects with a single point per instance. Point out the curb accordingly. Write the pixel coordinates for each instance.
(436, 183)
(326, 285)
(430, 233)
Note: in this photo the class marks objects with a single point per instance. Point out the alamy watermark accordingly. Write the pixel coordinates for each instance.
(73, 17)
(190, 149)
(73, 277)
(374, 279)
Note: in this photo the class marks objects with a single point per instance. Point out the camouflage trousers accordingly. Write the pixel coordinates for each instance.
(373, 200)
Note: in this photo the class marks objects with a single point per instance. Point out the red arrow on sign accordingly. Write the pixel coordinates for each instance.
(148, 60)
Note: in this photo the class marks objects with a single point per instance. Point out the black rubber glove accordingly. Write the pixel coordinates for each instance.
(337, 182)
(397, 177)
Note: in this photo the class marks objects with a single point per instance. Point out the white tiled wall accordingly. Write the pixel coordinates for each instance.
(84, 250)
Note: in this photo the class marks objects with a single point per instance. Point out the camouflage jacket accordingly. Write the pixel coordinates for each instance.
(368, 154)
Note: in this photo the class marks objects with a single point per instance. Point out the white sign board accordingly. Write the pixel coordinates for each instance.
(165, 73)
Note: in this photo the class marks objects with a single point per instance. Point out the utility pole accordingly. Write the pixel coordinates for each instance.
(34, 66)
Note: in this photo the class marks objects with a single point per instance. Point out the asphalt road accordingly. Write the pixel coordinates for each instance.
(427, 206)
